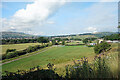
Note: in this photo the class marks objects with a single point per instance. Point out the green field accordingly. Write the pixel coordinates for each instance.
(76, 42)
(16, 46)
(55, 55)
(83, 36)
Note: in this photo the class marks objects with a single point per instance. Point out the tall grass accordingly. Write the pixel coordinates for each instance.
(84, 69)
(112, 62)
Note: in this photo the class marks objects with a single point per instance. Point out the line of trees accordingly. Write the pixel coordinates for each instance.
(18, 41)
(112, 37)
(76, 39)
(11, 53)
(88, 40)
(42, 40)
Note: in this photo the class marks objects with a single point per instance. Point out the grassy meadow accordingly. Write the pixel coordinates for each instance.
(76, 42)
(55, 55)
(83, 36)
(16, 46)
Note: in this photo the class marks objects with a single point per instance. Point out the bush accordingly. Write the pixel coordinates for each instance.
(10, 50)
(21, 52)
(11, 55)
(46, 45)
(50, 66)
(32, 74)
(3, 56)
(104, 46)
(30, 49)
(33, 48)
(63, 42)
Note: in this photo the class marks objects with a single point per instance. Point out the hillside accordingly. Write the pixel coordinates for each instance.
(101, 34)
(87, 35)
(16, 35)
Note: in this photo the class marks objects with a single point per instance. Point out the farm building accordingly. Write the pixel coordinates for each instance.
(108, 41)
(115, 41)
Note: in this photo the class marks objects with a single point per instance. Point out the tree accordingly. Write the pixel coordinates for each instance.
(99, 48)
(112, 37)
(85, 40)
(63, 42)
(58, 39)
(42, 40)
(54, 42)
(10, 50)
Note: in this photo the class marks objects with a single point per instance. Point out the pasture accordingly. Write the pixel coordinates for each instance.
(16, 46)
(84, 36)
(76, 42)
(55, 55)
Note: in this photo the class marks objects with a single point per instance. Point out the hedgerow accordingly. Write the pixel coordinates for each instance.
(11, 53)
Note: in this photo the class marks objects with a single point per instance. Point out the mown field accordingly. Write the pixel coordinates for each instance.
(55, 55)
(16, 46)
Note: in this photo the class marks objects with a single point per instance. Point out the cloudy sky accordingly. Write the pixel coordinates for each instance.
(41, 17)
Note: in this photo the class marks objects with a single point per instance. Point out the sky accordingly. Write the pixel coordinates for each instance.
(59, 17)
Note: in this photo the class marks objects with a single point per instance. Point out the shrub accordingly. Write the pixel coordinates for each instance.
(11, 55)
(104, 46)
(46, 45)
(50, 66)
(63, 42)
(39, 74)
(3, 56)
(10, 50)
(22, 52)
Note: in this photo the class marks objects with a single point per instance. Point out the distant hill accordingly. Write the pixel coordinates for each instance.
(16, 35)
(101, 34)
(87, 35)
(82, 36)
